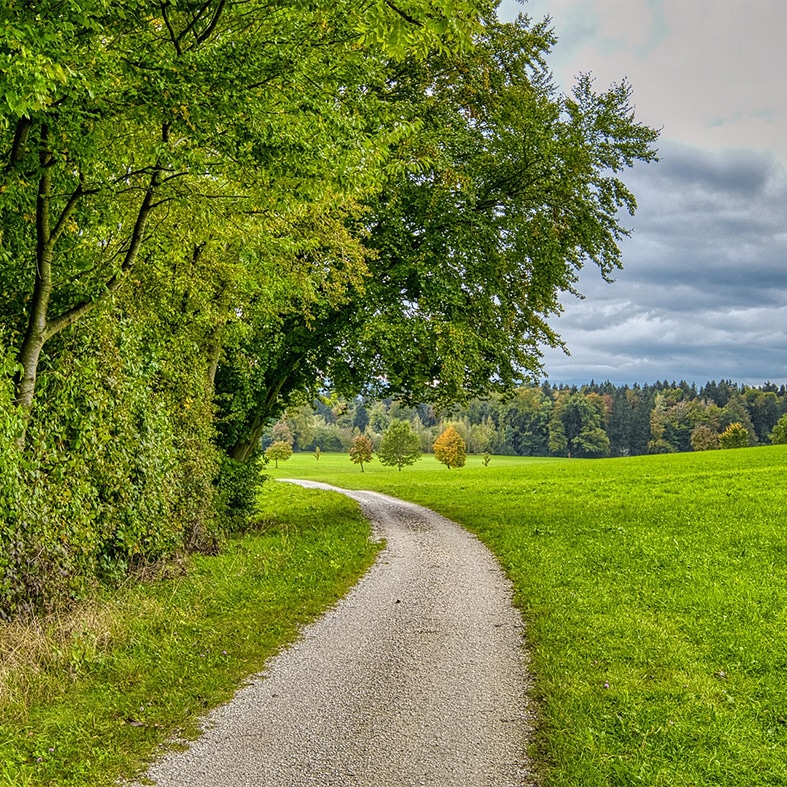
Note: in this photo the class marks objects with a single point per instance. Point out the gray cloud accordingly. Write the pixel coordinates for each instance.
(703, 293)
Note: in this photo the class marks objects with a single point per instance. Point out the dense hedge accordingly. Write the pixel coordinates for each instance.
(118, 469)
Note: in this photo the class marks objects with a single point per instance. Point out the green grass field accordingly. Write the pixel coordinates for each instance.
(655, 594)
(86, 697)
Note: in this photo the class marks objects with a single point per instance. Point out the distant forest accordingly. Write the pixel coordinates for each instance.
(594, 420)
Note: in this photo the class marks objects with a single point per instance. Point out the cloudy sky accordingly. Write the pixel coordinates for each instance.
(703, 292)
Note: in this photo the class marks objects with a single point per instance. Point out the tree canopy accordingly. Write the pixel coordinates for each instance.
(449, 448)
(210, 209)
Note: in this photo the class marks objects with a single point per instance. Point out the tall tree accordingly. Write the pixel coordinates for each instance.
(114, 112)
(487, 213)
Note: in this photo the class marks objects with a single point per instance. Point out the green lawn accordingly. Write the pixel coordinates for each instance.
(655, 594)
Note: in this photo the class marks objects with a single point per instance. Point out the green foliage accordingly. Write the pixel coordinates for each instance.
(449, 448)
(103, 480)
(400, 445)
(278, 451)
(361, 450)
(577, 426)
(734, 436)
(239, 486)
(779, 434)
(179, 193)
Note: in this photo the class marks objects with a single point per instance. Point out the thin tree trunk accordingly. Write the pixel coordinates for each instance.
(35, 335)
(39, 327)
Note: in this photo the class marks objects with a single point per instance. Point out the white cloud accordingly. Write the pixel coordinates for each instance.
(709, 72)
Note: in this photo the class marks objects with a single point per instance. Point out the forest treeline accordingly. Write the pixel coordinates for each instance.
(594, 420)
(211, 207)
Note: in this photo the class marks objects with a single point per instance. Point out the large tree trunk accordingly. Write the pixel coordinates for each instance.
(242, 450)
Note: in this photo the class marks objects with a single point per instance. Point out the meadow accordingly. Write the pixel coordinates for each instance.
(654, 591)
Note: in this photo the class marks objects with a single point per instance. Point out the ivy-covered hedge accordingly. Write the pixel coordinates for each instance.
(117, 469)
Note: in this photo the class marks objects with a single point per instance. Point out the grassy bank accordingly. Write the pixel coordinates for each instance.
(655, 592)
(87, 697)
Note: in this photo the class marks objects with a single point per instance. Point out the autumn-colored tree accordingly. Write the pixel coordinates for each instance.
(400, 445)
(703, 438)
(281, 433)
(449, 448)
(280, 450)
(361, 450)
(734, 436)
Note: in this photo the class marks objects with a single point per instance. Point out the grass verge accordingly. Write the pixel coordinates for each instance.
(87, 698)
(655, 594)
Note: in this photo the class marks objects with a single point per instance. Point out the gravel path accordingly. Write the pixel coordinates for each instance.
(417, 677)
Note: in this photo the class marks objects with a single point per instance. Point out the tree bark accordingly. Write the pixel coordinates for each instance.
(243, 450)
(39, 327)
(35, 335)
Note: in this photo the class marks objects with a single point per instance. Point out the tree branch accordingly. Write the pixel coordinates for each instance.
(404, 14)
(205, 35)
(172, 36)
(66, 213)
(71, 315)
(20, 138)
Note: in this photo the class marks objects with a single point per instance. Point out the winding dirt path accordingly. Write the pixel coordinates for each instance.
(417, 677)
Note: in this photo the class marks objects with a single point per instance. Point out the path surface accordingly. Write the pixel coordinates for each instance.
(417, 677)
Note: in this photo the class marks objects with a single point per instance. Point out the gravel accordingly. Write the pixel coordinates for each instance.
(417, 677)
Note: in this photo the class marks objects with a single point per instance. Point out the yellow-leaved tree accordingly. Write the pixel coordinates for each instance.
(449, 448)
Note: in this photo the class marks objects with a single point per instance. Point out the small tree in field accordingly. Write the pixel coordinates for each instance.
(400, 445)
(361, 450)
(449, 448)
(703, 438)
(779, 433)
(734, 436)
(280, 450)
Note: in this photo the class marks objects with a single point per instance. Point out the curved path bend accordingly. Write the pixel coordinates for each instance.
(417, 677)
